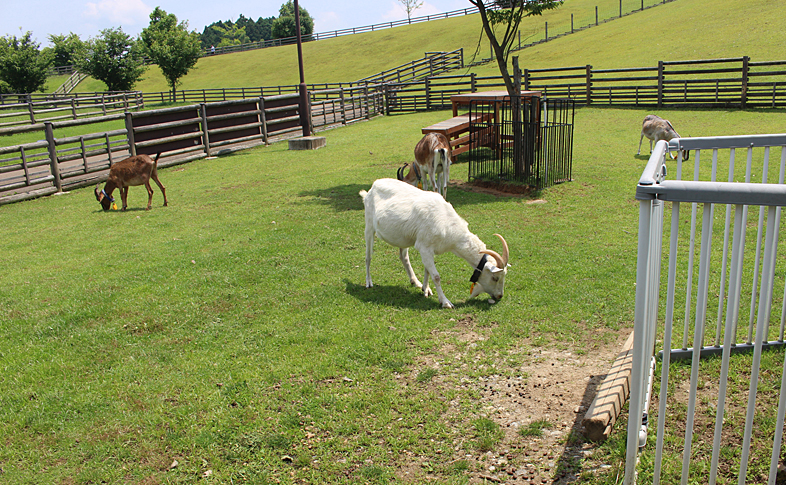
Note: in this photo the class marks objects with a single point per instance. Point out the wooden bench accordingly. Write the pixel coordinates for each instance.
(456, 130)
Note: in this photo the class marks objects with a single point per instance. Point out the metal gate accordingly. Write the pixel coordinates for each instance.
(723, 288)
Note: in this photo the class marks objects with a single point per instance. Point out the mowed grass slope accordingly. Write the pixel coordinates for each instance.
(230, 334)
(679, 30)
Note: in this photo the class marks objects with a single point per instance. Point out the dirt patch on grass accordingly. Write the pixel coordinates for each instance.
(538, 406)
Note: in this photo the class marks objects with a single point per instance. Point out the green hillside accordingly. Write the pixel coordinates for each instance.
(679, 30)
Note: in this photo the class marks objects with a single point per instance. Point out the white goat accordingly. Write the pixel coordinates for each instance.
(433, 156)
(405, 217)
(655, 129)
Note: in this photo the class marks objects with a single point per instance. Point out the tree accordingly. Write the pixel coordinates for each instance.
(171, 46)
(231, 35)
(23, 67)
(284, 25)
(505, 21)
(410, 6)
(114, 58)
(65, 48)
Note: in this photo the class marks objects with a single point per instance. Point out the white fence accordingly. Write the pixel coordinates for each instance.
(725, 276)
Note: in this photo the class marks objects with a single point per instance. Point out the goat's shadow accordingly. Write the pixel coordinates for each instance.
(405, 296)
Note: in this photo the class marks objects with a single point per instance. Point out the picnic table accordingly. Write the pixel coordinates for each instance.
(457, 129)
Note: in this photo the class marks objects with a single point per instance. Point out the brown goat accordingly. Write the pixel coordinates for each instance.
(433, 156)
(136, 170)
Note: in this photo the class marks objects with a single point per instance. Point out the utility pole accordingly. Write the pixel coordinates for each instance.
(305, 116)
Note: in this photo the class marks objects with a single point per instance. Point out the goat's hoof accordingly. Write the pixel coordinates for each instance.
(447, 304)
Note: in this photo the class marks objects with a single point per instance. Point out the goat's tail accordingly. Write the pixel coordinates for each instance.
(363, 194)
(155, 162)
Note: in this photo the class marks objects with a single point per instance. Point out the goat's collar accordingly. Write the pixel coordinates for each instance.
(476, 274)
(417, 171)
(111, 199)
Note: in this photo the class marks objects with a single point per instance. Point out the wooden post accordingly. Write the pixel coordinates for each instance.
(343, 107)
(24, 164)
(263, 118)
(571, 29)
(55, 167)
(660, 84)
(744, 97)
(130, 133)
(73, 108)
(596, 15)
(473, 82)
(205, 131)
(30, 109)
(428, 94)
(547, 31)
(108, 149)
(589, 84)
(365, 95)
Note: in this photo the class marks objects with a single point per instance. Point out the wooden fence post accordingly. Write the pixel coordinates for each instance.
(428, 94)
(263, 118)
(50, 140)
(205, 131)
(660, 84)
(744, 96)
(526, 79)
(30, 109)
(130, 133)
(589, 84)
(73, 108)
(368, 107)
(343, 106)
(473, 82)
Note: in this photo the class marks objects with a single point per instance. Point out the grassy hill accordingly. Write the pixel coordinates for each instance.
(679, 30)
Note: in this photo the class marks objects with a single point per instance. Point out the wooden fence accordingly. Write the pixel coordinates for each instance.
(66, 107)
(182, 133)
(713, 83)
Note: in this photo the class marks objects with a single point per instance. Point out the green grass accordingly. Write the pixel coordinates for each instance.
(232, 332)
(685, 30)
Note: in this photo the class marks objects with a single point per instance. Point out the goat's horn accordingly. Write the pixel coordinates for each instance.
(496, 256)
(400, 172)
(505, 251)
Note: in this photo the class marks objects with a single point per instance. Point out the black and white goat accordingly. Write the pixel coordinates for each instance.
(655, 129)
(406, 217)
(134, 170)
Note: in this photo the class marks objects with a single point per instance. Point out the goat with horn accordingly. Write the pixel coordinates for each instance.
(406, 217)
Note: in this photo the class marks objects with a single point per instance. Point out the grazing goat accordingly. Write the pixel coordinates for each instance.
(432, 157)
(414, 176)
(655, 129)
(136, 170)
(405, 217)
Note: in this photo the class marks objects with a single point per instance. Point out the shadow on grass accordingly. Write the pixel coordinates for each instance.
(406, 296)
(346, 198)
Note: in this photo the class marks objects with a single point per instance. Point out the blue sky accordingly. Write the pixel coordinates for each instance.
(87, 18)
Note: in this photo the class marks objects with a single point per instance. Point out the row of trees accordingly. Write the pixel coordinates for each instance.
(118, 59)
(113, 57)
(245, 30)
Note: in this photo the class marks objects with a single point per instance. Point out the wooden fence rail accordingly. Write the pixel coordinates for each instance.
(34, 110)
(735, 82)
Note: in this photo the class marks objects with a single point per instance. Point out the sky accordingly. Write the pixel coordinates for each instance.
(87, 18)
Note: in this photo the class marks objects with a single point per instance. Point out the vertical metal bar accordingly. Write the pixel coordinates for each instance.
(691, 253)
(640, 353)
(768, 274)
(757, 260)
(698, 332)
(727, 227)
(735, 276)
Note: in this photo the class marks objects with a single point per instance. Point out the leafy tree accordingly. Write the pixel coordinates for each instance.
(284, 25)
(501, 26)
(114, 58)
(210, 35)
(231, 35)
(65, 48)
(170, 45)
(410, 6)
(264, 29)
(23, 67)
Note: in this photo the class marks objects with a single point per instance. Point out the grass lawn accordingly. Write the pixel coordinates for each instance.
(230, 335)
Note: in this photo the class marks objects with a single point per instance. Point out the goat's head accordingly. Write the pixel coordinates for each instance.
(104, 199)
(412, 177)
(492, 277)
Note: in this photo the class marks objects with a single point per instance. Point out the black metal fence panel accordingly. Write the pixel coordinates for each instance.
(527, 141)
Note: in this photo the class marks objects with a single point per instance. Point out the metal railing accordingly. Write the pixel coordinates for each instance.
(544, 156)
(725, 281)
